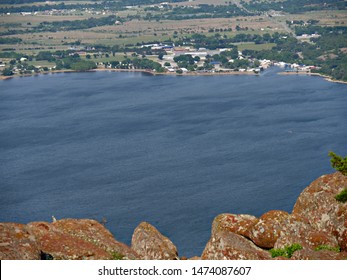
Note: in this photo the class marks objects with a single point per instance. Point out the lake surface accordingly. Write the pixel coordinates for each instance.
(173, 151)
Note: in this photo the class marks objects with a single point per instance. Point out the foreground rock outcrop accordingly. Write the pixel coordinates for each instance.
(317, 207)
(67, 239)
(316, 228)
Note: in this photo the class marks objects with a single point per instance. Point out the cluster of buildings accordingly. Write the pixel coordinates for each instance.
(294, 67)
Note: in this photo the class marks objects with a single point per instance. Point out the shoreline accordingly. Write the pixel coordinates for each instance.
(174, 73)
(131, 70)
(2, 78)
(327, 78)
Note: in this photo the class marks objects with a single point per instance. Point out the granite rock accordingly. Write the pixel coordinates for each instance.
(318, 207)
(226, 245)
(239, 224)
(268, 229)
(150, 244)
(16, 243)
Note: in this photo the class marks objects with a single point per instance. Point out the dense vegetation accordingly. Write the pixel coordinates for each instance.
(10, 40)
(75, 24)
(294, 6)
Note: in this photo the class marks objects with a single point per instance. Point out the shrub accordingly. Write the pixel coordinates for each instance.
(117, 256)
(326, 247)
(286, 252)
(342, 196)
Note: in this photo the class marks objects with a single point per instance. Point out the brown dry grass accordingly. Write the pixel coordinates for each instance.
(196, 25)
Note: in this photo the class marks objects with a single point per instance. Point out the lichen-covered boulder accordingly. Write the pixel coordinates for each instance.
(17, 243)
(66, 247)
(95, 233)
(318, 207)
(78, 240)
(268, 229)
(343, 239)
(150, 244)
(239, 224)
(310, 239)
(226, 245)
(308, 254)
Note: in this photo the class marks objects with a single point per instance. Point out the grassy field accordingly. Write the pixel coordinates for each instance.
(255, 47)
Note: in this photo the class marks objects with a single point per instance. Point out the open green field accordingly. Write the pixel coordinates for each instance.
(255, 47)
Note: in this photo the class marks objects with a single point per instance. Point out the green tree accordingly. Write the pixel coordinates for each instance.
(179, 71)
(7, 72)
(45, 55)
(83, 65)
(339, 163)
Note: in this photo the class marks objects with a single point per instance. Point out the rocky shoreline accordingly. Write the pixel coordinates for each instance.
(317, 227)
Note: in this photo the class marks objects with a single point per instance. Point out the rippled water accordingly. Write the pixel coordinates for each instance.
(173, 151)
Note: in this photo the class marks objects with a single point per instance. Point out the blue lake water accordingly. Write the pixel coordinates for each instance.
(173, 151)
